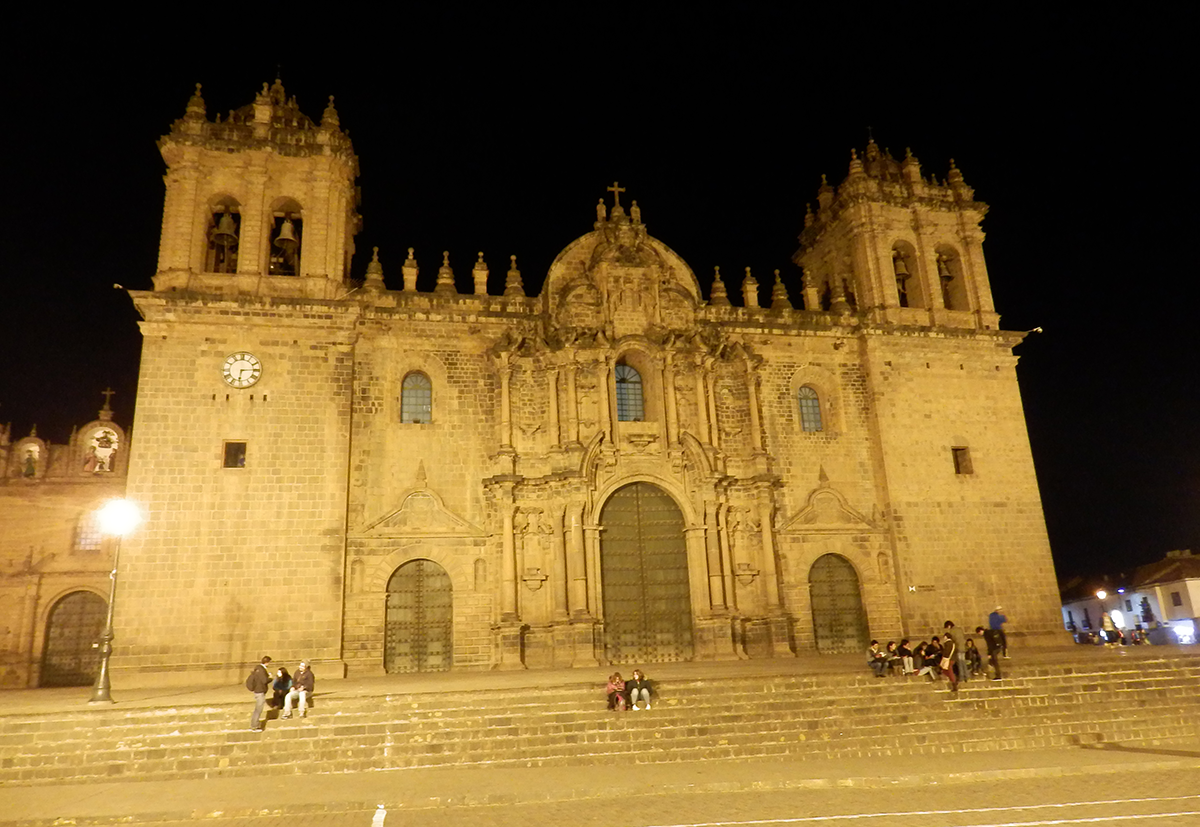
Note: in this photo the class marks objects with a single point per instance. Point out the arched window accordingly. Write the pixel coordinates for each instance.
(630, 407)
(416, 398)
(810, 410)
(224, 229)
(286, 238)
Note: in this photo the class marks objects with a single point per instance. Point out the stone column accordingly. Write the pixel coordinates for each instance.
(552, 392)
(607, 414)
(777, 621)
(752, 390)
(559, 580)
(577, 599)
(508, 574)
(671, 407)
(712, 542)
(703, 425)
(714, 428)
(506, 443)
(572, 404)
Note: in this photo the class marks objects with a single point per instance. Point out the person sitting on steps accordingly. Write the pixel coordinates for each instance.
(639, 689)
(616, 692)
(302, 688)
(876, 659)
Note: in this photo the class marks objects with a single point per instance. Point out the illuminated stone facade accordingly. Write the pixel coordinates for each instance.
(618, 469)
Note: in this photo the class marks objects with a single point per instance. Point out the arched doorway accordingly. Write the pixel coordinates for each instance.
(418, 629)
(70, 657)
(644, 574)
(839, 621)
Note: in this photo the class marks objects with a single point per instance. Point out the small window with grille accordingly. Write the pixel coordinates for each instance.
(630, 406)
(87, 533)
(810, 410)
(235, 455)
(416, 399)
(962, 460)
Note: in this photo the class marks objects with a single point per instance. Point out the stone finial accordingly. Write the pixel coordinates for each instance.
(856, 166)
(824, 194)
(750, 290)
(195, 107)
(445, 276)
(409, 269)
(718, 296)
(512, 282)
(421, 478)
(480, 273)
(329, 118)
(954, 176)
(910, 167)
(809, 218)
(374, 272)
(779, 296)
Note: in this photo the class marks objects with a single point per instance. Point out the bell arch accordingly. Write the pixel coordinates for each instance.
(645, 577)
(838, 616)
(419, 618)
(69, 654)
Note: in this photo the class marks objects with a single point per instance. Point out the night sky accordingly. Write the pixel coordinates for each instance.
(488, 133)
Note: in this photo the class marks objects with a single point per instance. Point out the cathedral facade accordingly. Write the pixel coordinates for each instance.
(617, 470)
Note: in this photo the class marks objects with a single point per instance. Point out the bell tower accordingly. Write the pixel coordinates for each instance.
(898, 247)
(262, 203)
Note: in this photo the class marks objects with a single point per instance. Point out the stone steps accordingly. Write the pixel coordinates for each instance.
(744, 718)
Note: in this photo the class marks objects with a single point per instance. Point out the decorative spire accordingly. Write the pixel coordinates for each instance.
(480, 273)
(809, 218)
(374, 272)
(445, 277)
(409, 269)
(856, 166)
(750, 290)
(329, 118)
(718, 297)
(512, 283)
(955, 176)
(824, 194)
(779, 296)
(195, 107)
(421, 480)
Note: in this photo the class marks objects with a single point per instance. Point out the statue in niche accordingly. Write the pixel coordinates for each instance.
(32, 453)
(100, 449)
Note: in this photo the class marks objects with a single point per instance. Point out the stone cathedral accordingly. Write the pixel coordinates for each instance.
(618, 470)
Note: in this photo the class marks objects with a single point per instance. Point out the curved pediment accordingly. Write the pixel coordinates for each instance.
(423, 514)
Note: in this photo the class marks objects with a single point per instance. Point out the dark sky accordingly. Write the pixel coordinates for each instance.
(488, 132)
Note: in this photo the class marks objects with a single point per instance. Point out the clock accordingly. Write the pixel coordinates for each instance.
(241, 370)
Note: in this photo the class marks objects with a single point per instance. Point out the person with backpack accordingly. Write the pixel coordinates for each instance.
(258, 681)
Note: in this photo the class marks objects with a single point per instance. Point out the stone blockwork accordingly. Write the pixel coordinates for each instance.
(846, 462)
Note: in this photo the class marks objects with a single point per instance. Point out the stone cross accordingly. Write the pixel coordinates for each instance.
(616, 191)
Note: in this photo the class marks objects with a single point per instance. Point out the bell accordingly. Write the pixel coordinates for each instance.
(900, 266)
(287, 236)
(943, 269)
(225, 233)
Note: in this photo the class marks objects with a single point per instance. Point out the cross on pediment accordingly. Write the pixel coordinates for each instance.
(107, 393)
(616, 191)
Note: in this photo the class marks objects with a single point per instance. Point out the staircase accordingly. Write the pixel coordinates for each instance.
(562, 721)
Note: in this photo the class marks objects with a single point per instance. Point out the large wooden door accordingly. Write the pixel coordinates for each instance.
(839, 622)
(644, 575)
(70, 657)
(418, 631)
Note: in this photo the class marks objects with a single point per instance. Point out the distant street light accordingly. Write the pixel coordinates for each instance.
(118, 518)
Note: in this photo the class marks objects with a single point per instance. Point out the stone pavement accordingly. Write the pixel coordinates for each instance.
(133, 802)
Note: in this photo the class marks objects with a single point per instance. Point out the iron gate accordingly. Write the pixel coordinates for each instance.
(70, 657)
(839, 622)
(644, 573)
(417, 636)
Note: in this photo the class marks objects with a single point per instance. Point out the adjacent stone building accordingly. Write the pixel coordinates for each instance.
(54, 560)
(619, 469)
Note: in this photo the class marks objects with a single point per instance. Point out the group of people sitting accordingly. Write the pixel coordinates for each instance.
(623, 694)
(952, 656)
(288, 689)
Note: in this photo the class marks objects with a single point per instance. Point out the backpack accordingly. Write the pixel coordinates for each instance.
(250, 679)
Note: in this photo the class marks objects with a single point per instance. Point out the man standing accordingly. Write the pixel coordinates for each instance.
(960, 648)
(996, 621)
(257, 682)
(992, 638)
(302, 687)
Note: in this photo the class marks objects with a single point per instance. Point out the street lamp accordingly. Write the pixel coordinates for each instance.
(118, 518)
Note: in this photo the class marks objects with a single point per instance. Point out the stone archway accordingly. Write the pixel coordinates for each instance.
(644, 575)
(418, 629)
(839, 620)
(70, 657)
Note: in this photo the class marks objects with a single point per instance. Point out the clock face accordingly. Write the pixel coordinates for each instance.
(241, 370)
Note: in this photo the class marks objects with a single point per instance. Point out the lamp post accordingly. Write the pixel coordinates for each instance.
(118, 518)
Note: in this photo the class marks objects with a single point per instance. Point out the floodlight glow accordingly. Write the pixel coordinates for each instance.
(1118, 618)
(1101, 593)
(119, 517)
(1184, 630)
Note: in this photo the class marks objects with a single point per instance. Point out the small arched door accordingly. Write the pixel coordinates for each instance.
(71, 657)
(839, 621)
(418, 627)
(644, 574)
